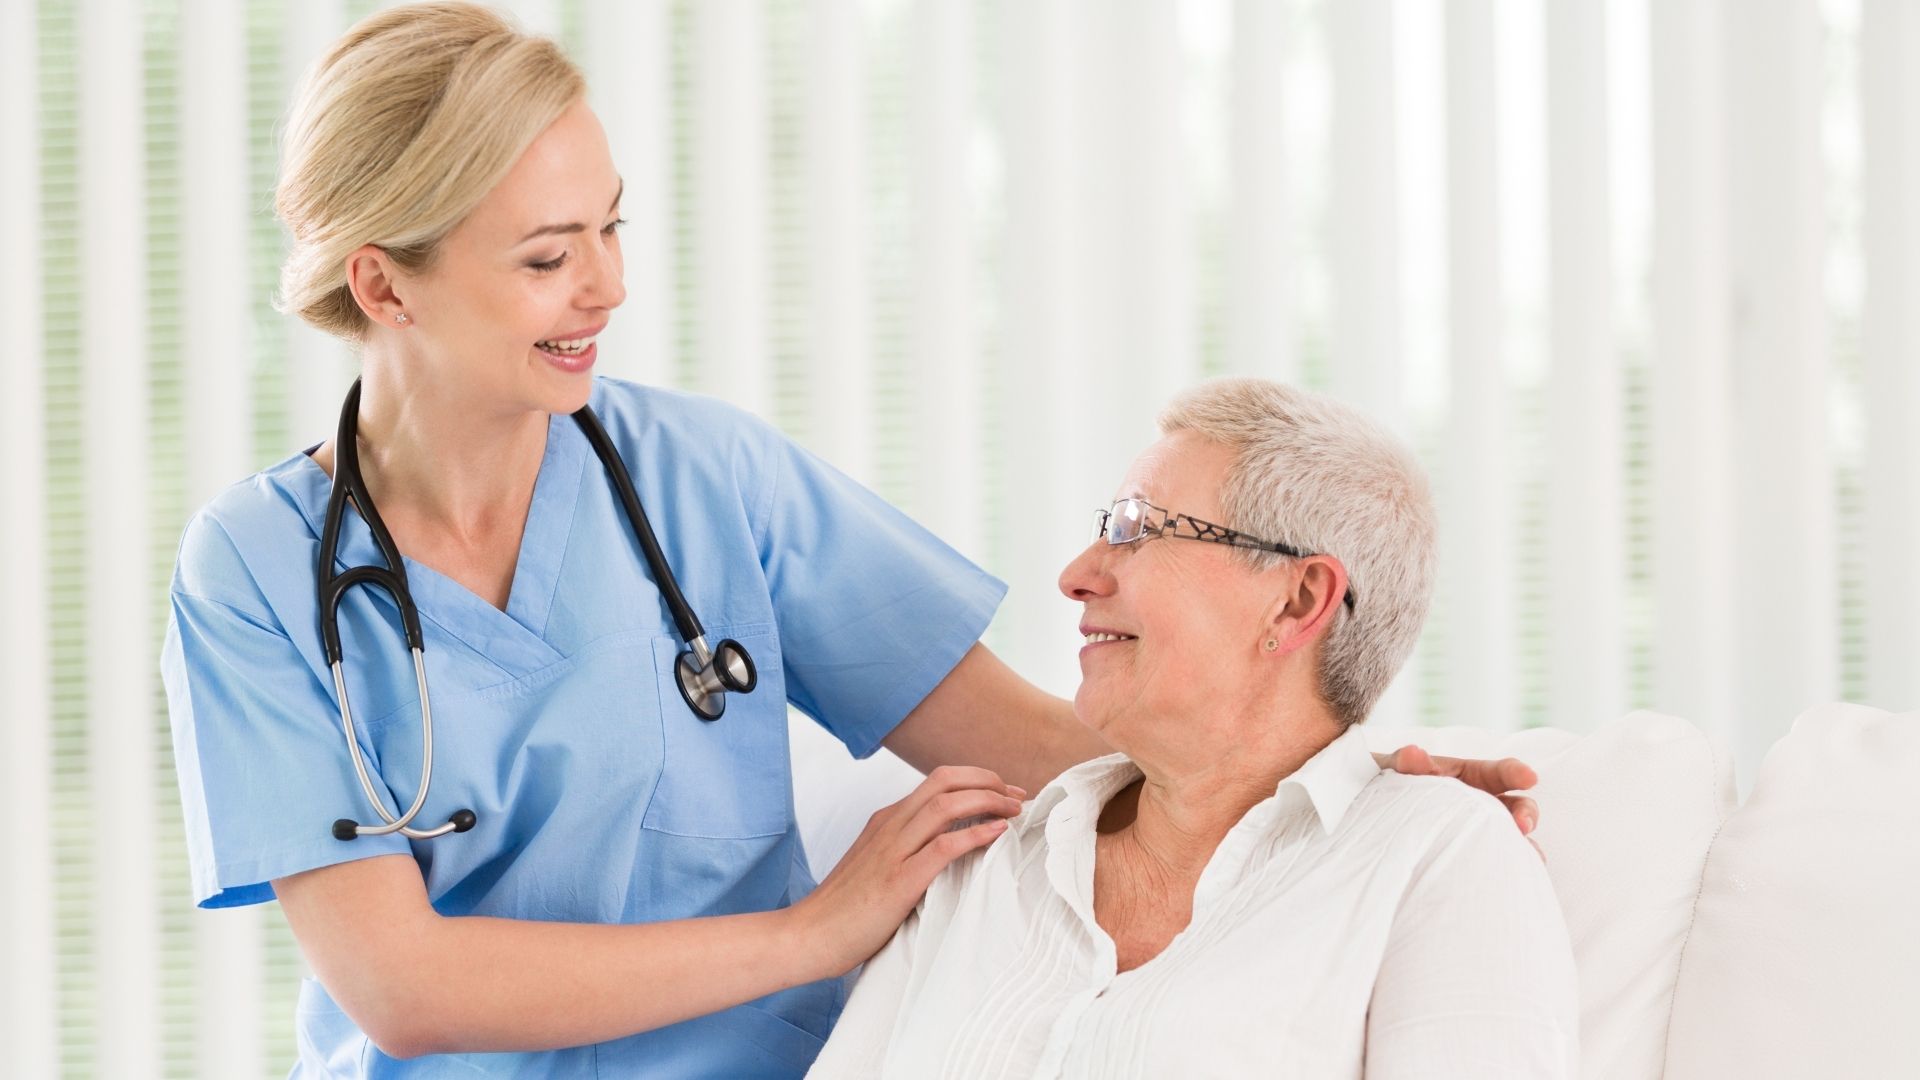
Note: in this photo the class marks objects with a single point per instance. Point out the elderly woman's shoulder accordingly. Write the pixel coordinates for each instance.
(1006, 860)
(1427, 794)
(1429, 811)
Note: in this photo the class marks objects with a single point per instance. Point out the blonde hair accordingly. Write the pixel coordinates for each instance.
(397, 133)
(1315, 474)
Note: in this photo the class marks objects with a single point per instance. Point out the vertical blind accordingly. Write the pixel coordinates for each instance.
(1640, 281)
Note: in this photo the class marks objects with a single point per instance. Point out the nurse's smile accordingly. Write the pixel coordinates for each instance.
(572, 352)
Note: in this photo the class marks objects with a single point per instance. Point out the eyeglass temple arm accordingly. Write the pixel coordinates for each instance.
(1289, 551)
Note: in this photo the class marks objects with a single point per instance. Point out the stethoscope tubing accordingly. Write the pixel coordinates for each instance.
(704, 677)
(348, 483)
(683, 617)
(400, 823)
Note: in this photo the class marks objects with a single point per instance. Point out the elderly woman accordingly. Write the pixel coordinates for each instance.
(1241, 890)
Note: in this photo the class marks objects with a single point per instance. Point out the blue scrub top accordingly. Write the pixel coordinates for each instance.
(601, 797)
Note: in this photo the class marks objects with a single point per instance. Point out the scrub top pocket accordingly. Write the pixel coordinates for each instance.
(731, 777)
(552, 764)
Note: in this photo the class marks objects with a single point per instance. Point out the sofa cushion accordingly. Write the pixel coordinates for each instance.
(1805, 953)
(1626, 815)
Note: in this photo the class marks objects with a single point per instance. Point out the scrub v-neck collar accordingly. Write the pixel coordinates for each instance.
(513, 640)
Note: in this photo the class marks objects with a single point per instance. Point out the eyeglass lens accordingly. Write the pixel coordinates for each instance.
(1127, 521)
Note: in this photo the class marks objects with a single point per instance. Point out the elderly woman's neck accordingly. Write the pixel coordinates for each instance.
(1179, 811)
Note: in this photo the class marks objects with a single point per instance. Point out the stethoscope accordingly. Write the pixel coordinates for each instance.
(704, 675)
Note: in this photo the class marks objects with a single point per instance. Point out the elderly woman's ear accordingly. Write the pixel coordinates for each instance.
(1305, 612)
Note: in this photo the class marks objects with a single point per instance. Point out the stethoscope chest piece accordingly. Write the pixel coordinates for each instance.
(705, 678)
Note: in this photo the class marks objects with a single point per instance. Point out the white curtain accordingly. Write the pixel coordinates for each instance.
(1640, 279)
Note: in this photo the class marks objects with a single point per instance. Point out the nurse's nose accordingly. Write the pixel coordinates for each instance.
(604, 285)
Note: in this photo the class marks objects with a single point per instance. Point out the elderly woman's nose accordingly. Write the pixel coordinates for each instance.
(1086, 576)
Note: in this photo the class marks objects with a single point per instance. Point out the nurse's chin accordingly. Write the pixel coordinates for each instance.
(563, 391)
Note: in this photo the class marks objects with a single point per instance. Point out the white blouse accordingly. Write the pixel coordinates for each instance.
(1357, 923)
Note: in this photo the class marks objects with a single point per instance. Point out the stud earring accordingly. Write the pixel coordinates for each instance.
(1272, 644)
(401, 318)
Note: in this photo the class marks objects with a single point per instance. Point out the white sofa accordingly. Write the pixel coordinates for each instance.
(1778, 938)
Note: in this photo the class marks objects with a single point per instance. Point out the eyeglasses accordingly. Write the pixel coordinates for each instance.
(1133, 520)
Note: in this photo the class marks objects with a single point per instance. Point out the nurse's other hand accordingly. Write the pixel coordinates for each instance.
(1497, 778)
(904, 846)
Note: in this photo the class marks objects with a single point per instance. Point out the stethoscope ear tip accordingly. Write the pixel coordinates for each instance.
(346, 829)
(462, 820)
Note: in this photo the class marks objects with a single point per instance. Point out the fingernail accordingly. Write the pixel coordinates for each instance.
(1018, 792)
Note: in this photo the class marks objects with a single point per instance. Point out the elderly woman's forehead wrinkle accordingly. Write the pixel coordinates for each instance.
(1142, 475)
(1182, 468)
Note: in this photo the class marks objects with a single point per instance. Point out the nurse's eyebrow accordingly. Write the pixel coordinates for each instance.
(572, 226)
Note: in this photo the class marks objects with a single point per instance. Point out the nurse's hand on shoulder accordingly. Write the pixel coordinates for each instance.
(904, 847)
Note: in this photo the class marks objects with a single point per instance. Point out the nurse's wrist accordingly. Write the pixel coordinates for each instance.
(809, 942)
(797, 940)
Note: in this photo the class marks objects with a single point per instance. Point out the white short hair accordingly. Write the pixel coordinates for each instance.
(1316, 474)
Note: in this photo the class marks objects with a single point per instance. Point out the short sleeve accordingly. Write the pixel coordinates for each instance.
(257, 745)
(873, 609)
(1477, 979)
